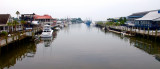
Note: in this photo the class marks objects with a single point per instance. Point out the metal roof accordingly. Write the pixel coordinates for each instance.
(158, 19)
(153, 15)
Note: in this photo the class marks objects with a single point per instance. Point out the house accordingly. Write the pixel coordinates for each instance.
(151, 20)
(4, 19)
(45, 19)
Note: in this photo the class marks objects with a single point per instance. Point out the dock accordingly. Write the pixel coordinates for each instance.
(19, 36)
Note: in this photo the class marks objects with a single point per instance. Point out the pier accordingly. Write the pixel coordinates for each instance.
(19, 36)
(132, 31)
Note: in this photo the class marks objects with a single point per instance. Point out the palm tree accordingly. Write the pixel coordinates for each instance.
(17, 14)
(22, 23)
(15, 23)
(10, 25)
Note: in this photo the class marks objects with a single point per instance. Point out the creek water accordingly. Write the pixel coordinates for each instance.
(79, 46)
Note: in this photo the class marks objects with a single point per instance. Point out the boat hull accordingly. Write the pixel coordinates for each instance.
(46, 34)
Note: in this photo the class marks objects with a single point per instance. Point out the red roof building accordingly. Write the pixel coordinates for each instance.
(42, 17)
(45, 19)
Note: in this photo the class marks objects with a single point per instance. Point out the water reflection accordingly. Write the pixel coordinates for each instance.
(16, 52)
(148, 46)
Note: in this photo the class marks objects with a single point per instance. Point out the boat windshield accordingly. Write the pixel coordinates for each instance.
(46, 31)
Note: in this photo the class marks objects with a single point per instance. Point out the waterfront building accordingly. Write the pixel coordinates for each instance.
(144, 19)
(27, 17)
(4, 19)
(151, 20)
(45, 20)
(131, 18)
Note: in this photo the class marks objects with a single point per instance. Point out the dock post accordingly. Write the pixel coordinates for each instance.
(148, 31)
(139, 30)
(156, 32)
(6, 37)
(152, 32)
(131, 30)
(135, 30)
(18, 35)
(12, 37)
(144, 31)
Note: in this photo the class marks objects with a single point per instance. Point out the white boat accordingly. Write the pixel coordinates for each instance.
(60, 24)
(47, 31)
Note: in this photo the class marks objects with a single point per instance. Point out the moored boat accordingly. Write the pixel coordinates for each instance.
(47, 31)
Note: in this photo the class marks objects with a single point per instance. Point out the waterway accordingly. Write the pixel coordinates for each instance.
(79, 46)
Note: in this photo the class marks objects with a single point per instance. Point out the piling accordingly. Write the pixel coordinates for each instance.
(148, 32)
(139, 30)
(135, 31)
(156, 32)
(152, 32)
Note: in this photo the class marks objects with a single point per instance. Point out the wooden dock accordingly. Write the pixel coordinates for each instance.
(18, 36)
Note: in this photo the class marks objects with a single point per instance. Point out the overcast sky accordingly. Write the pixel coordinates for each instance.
(86, 9)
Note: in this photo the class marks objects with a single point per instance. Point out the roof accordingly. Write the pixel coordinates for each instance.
(153, 15)
(4, 18)
(42, 17)
(141, 14)
(158, 19)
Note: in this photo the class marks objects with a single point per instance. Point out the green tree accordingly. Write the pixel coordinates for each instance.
(22, 23)
(10, 26)
(15, 23)
(125, 19)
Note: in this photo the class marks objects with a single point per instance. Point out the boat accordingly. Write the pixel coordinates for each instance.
(60, 24)
(47, 31)
(88, 22)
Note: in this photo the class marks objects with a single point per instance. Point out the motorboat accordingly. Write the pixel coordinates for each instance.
(47, 31)
(60, 24)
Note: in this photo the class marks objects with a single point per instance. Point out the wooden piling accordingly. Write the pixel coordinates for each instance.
(135, 31)
(156, 32)
(152, 32)
(144, 31)
(139, 30)
(148, 31)
(6, 38)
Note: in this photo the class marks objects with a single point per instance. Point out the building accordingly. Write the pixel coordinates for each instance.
(27, 17)
(151, 20)
(134, 16)
(45, 19)
(4, 19)
(131, 18)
